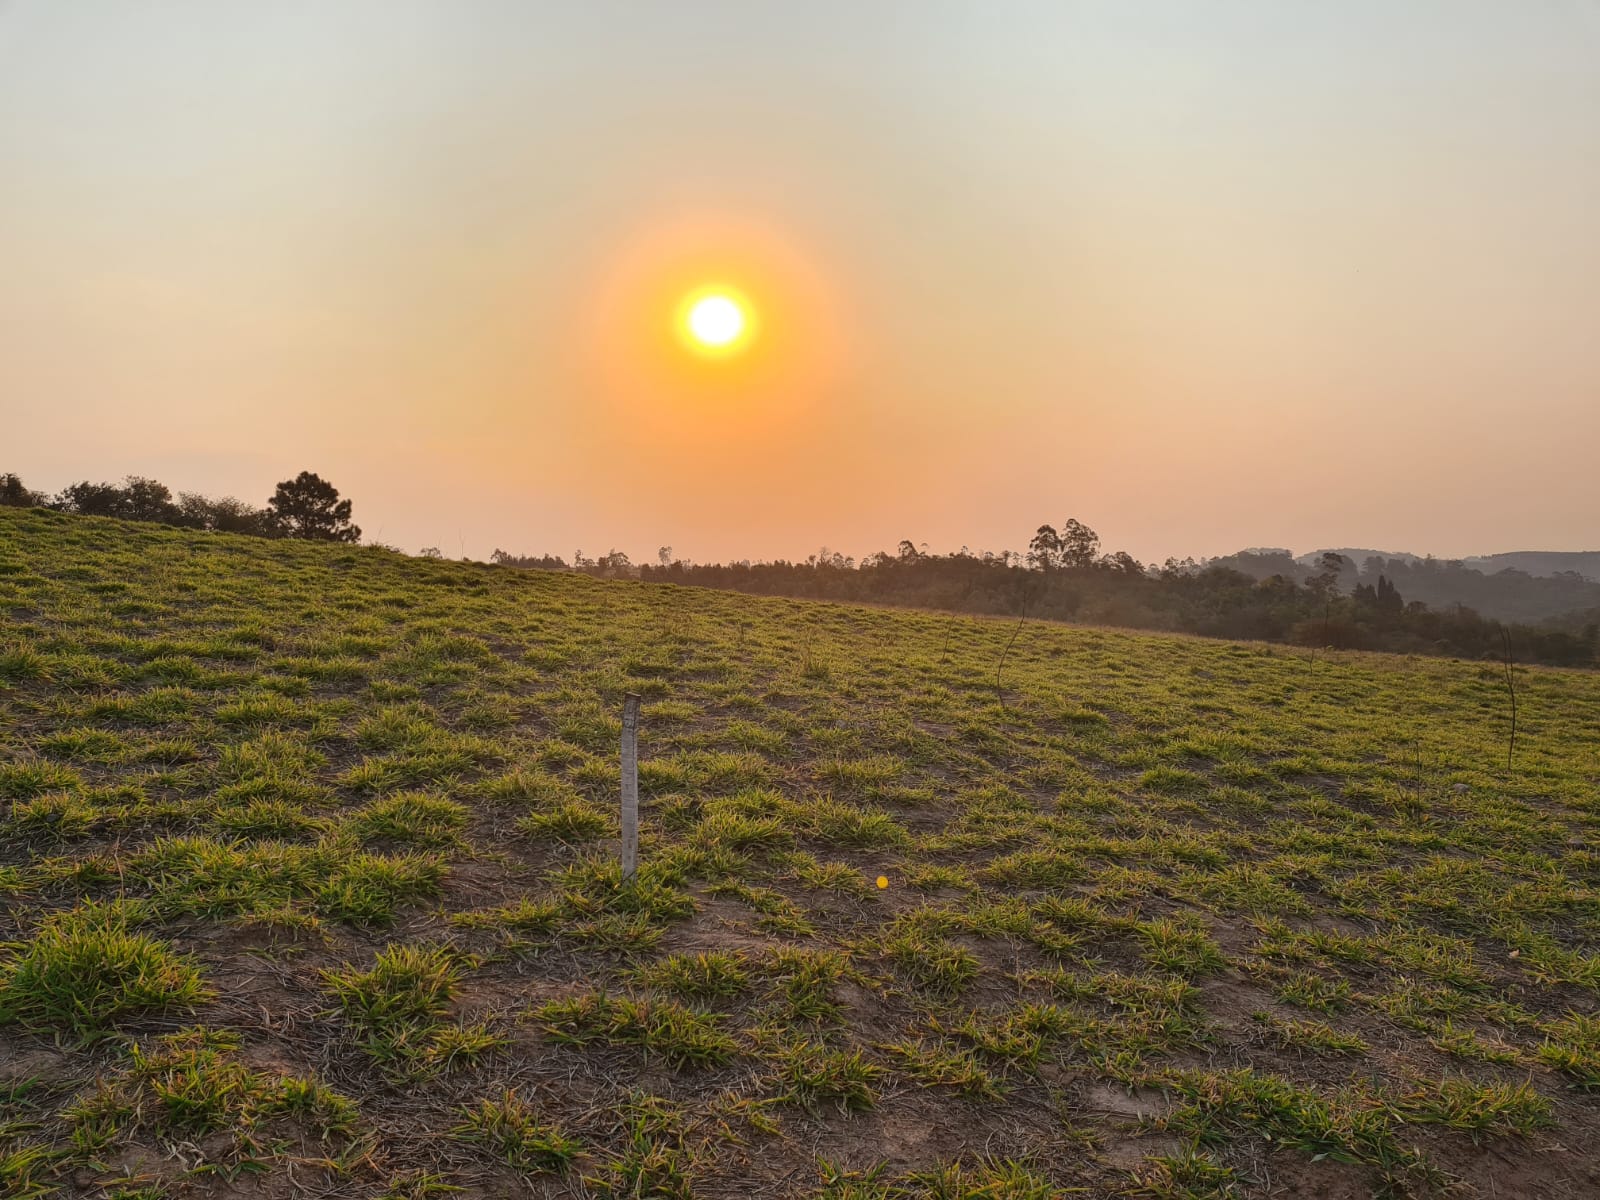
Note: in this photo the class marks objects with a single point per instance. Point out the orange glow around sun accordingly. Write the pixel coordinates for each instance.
(713, 351)
(709, 331)
(709, 354)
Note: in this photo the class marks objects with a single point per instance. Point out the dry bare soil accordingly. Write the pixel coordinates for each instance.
(308, 887)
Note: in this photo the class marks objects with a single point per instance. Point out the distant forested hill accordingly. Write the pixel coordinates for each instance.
(1531, 562)
(1541, 562)
(1497, 586)
(1355, 554)
(1506, 595)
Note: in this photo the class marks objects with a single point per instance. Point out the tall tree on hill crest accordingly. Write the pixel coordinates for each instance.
(14, 494)
(309, 507)
(1044, 551)
(1079, 544)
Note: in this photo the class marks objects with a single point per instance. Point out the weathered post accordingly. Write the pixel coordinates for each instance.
(630, 786)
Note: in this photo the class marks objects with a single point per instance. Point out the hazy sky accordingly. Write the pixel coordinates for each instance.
(1203, 275)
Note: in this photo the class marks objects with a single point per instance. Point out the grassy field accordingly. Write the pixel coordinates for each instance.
(309, 888)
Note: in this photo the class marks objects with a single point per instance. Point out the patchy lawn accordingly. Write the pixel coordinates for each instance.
(309, 883)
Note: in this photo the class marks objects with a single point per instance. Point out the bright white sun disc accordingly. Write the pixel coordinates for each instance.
(716, 320)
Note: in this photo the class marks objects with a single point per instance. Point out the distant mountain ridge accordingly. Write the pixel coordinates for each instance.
(1529, 585)
(1543, 563)
(1540, 562)
(1355, 555)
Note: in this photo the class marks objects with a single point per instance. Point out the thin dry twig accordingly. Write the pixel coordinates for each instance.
(1511, 692)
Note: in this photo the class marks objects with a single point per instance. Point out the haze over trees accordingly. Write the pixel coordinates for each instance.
(1400, 603)
(1337, 606)
(1507, 594)
(1266, 595)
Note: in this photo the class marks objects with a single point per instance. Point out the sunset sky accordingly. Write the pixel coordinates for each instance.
(1203, 275)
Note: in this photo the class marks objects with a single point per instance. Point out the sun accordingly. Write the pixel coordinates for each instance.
(716, 321)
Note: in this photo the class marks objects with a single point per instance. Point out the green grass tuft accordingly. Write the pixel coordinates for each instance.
(86, 971)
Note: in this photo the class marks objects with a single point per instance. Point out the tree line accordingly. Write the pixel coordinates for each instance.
(306, 506)
(1064, 575)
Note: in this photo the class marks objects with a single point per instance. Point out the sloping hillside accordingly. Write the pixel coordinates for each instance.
(308, 857)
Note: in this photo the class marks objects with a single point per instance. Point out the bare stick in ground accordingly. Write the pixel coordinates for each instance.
(1022, 620)
(950, 626)
(630, 786)
(1511, 691)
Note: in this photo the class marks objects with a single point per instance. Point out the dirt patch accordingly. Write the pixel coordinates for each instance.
(19, 1061)
(1115, 1100)
(1125, 1153)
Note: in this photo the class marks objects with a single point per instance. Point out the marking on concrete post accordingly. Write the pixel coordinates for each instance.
(630, 786)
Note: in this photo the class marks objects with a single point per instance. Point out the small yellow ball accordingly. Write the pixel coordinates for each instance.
(883, 881)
